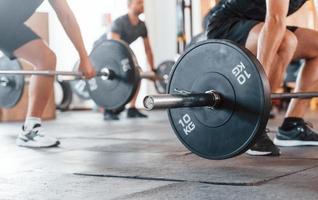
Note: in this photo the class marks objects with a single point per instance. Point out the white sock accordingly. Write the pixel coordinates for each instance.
(30, 122)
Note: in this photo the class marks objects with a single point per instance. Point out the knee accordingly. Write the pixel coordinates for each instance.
(288, 45)
(47, 60)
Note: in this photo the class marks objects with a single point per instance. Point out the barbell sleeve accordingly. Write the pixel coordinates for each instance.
(4, 81)
(168, 101)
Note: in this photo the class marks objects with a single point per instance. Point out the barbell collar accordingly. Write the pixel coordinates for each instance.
(167, 101)
(4, 81)
(106, 74)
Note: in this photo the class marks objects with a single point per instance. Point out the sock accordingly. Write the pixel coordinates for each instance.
(291, 122)
(30, 122)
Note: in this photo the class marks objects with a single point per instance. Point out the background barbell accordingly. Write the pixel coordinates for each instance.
(118, 76)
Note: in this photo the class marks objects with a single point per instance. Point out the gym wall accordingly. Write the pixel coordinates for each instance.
(89, 14)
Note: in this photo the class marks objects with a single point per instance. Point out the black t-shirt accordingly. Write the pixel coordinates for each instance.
(128, 32)
(250, 9)
(17, 11)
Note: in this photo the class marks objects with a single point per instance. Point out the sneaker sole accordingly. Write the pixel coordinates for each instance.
(21, 143)
(107, 119)
(136, 117)
(294, 143)
(258, 153)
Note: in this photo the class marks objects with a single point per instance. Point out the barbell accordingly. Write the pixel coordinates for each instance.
(118, 76)
(218, 99)
(79, 87)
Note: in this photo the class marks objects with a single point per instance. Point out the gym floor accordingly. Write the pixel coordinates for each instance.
(142, 159)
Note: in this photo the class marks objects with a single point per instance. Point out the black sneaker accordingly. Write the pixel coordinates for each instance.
(110, 116)
(301, 135)
(272, 114)
(264, 147)
(134, 113)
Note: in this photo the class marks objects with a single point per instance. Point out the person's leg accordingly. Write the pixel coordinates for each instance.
(283, 56)
(132, 103)
(40, 89)
(264, 146)
(42, 58)
(308, 76)
(294, 131)
(132, 111)
(111, 115)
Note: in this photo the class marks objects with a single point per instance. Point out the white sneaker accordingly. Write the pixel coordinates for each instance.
(33, 139)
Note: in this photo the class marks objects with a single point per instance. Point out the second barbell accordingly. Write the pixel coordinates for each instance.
(118, 76)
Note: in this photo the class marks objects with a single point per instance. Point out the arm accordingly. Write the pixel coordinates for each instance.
(149, 53)
(273, 31)
(115, 36)
(116, 30)
(315, 5)
(71, 27)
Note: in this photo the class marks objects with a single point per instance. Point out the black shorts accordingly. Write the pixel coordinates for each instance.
(235, 29)
(14, 37)
(13, 32)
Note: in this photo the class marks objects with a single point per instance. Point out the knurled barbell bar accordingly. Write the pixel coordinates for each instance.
(209, 99)
(105, 73)
(79, 87)
(218, 99)
(118, 76)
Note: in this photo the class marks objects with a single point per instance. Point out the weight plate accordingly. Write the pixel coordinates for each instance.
(11, 91)
(163, 71)
(63, 95)
(118, 57)
(79, 87)
(232, 128)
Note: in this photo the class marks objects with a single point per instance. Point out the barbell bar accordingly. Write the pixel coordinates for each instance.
(115, 84)
(210, 99)
(105, 73)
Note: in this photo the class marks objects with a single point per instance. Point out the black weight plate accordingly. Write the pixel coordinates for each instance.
(163, 71)
(11, 94)
(79, 87)
(118, 57)
(235, 73)
(63, 95)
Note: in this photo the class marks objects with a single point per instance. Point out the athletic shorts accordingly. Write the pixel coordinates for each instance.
(13, 32)
(234, 29)
(14, 37)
